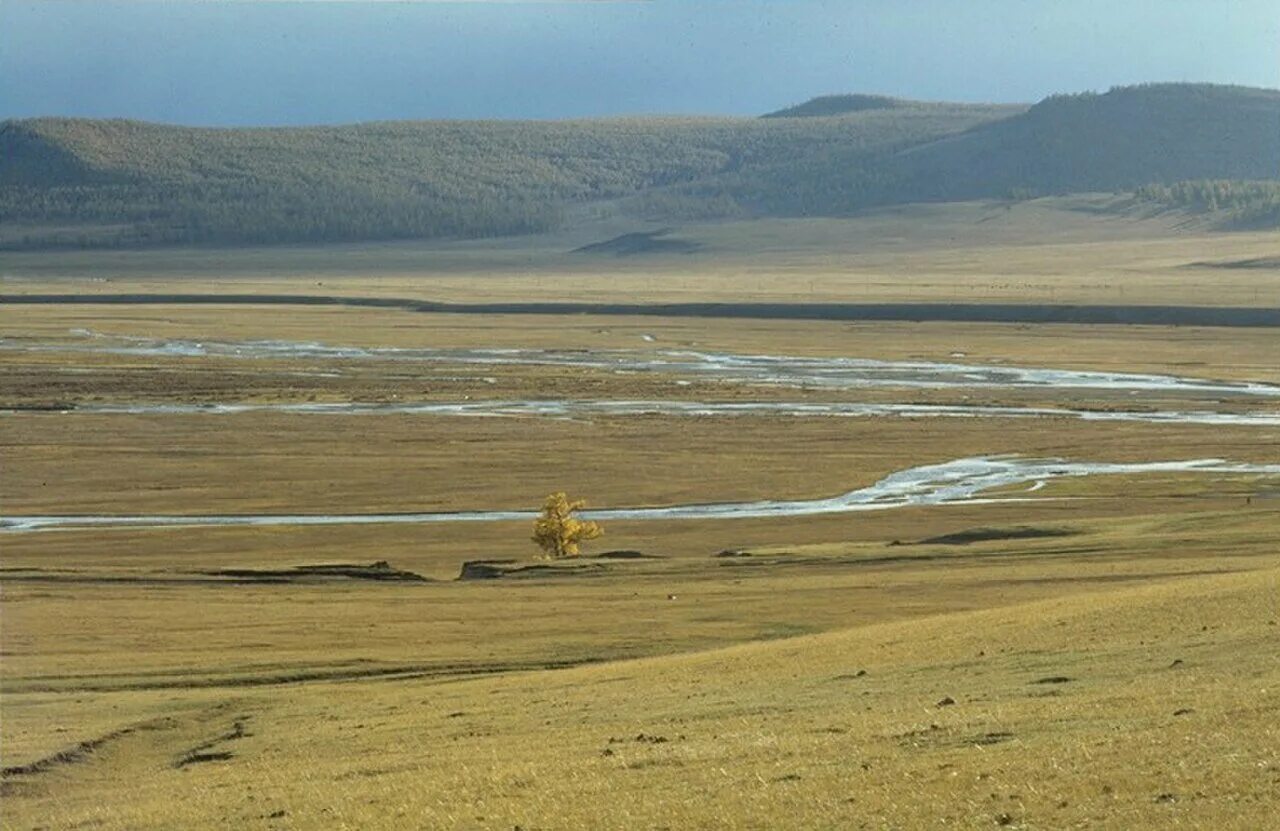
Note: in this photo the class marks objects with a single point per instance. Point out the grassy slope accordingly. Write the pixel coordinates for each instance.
(1166, 718)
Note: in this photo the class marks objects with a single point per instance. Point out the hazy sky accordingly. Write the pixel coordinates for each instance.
(205, 62)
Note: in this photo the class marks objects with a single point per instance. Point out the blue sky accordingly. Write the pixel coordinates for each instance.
(235, 63)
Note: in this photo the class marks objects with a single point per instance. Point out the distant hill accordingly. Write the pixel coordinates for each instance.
(112, 182)
(95, 183)
(1119, 141)
(825, 105)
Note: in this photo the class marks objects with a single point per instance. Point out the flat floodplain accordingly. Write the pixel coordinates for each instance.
(1073, 651)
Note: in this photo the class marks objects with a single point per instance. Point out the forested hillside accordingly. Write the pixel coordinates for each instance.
(1122, 140)
(109, 183)
(121, 182)
(1248, 204)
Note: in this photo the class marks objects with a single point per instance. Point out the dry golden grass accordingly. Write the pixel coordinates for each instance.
(1245, 354)
(1165, 719)
(1044, 251)
(308, 464)
(799, 686)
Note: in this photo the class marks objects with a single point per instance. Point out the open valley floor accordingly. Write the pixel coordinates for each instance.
(269, 566)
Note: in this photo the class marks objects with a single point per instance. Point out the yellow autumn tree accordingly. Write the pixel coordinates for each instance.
(557, 531)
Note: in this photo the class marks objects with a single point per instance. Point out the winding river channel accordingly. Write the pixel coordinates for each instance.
(958, 481)
(585, 408)
(779, 370)
(811, 373)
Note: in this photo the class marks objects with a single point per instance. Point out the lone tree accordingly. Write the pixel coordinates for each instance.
(557, 531)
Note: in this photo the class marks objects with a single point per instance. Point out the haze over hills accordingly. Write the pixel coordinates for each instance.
(91, 183)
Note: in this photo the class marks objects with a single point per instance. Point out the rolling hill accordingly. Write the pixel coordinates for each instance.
(1120, 141)
(91, 183)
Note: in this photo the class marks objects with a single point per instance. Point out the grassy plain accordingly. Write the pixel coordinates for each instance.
(1121, 673)
(1053, 250)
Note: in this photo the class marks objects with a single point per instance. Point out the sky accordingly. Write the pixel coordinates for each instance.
(251, 62)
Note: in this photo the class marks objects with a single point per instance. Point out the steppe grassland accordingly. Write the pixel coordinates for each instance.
(358, 704)
(1136, 707)
(1053, 250)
